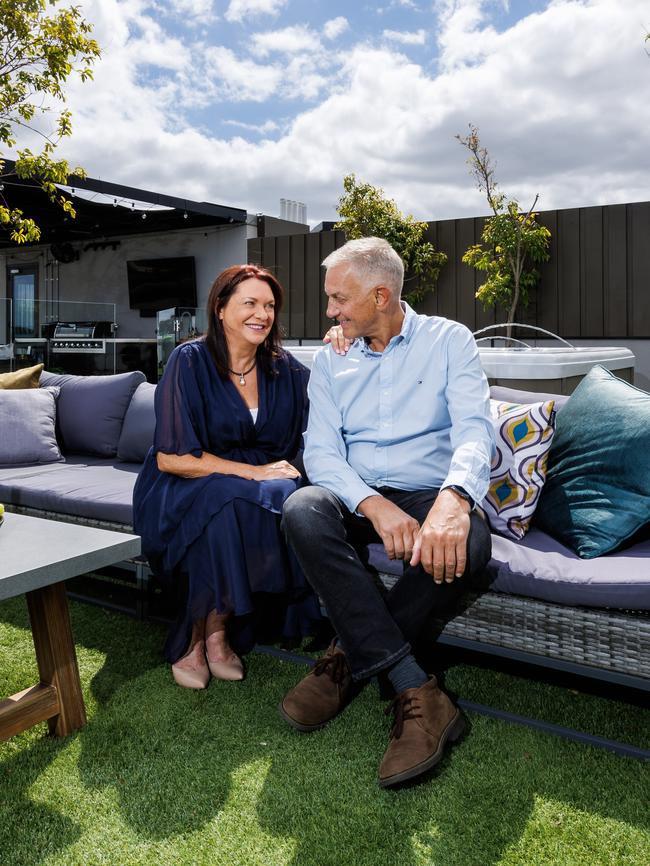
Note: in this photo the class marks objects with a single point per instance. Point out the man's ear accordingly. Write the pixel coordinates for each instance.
(382, 296)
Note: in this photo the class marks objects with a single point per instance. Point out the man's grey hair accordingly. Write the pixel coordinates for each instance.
(373, 261)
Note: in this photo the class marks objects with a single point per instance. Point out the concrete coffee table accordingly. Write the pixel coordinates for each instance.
(36, 557)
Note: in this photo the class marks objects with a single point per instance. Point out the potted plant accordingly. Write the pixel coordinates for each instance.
(512, 244)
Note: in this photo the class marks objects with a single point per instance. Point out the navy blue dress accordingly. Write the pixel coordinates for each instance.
(219, 535)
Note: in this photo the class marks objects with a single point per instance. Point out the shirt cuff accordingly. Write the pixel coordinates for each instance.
(355, 495)
(476, 489)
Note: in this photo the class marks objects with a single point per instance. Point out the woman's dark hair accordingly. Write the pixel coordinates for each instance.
(222, 289)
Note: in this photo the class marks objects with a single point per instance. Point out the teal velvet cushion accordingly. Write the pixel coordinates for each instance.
(597, 491)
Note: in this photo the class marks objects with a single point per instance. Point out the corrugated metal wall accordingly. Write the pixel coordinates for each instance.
(595, 285)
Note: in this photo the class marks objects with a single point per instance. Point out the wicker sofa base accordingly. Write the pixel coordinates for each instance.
(604, 644)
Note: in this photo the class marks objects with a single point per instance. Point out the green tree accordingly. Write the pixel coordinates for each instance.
(511, 241)
(39, 49)
(364, 211)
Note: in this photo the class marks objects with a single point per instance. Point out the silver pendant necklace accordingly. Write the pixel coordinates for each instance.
(243, 373)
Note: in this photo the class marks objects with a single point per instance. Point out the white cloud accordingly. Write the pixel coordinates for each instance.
(560, 99)
(240, 79)
(289, 40)
(335, 27)
(461, 36)
(238, 10)
(262, 128)
(397, 4)
(196, 11)
(302, 79)
(406, 37)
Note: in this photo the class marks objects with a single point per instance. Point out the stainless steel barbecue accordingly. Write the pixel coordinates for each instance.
(77, 338)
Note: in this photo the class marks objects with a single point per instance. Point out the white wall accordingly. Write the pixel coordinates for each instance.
(100, 275)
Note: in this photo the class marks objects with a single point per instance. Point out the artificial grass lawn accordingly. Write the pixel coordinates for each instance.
(163, 775)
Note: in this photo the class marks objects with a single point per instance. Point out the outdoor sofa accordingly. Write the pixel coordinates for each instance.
(538, 601)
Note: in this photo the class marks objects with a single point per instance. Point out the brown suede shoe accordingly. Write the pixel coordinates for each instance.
(424, 721)
(326, 690)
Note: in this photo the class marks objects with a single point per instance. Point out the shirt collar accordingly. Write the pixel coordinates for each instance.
(406, 331)
(409, 323)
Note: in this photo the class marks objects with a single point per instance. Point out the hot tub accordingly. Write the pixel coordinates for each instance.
(550, 369)
(556, 369)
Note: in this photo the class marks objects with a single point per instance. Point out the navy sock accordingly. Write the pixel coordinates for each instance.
(407, 674)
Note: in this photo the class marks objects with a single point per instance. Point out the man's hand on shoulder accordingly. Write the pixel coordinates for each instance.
(441, 544)
(395, 527)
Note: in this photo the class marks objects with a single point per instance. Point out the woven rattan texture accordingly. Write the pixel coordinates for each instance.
(600, 639)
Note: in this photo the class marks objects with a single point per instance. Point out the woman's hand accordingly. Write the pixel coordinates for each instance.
(187, 466)
(339, 343)
(271, 471)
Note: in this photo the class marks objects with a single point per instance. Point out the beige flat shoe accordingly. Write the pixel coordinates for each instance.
(231, 670)
(198, 679)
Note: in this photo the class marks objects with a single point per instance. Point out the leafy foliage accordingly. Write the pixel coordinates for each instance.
(364, 211)
(39, 49)
(511, 241)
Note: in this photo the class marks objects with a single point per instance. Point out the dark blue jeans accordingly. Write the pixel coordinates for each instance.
(375, 629)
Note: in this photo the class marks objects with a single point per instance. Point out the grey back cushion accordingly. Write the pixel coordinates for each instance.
(91, 410)
(27, 426)
(139, 424)
(515, 395)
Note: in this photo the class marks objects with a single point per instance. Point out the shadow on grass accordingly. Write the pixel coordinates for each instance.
(49, 831)
(474, 806)
(223, 762)
(174, 758)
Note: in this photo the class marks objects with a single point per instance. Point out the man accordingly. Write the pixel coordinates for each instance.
(398, 448)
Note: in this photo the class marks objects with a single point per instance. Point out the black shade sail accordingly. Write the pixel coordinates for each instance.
(104, 210)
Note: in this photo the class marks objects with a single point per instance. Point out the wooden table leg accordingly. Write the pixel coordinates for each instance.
(56, 656)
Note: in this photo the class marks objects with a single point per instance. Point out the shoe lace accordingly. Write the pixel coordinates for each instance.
(335, 666)
(403, 708)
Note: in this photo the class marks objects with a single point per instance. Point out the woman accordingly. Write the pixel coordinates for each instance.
(230, 412)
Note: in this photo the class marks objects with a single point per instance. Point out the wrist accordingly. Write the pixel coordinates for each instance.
(461, 495)
(367, 505)
(249, 472)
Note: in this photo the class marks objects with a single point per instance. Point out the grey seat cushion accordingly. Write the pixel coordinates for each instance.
(99, 489)
(136, 437)
(91, 409)
(540, 567)
(537, 566)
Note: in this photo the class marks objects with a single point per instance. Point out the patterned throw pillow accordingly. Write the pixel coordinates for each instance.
(524, 433)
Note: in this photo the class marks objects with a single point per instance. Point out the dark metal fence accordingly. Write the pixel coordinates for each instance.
(595, 285)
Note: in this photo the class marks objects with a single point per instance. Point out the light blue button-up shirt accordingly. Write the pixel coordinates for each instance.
(415, 416)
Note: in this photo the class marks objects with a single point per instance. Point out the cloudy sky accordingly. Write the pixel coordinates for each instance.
(242, 102)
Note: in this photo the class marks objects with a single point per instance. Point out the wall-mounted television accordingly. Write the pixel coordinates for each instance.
(158, 284)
